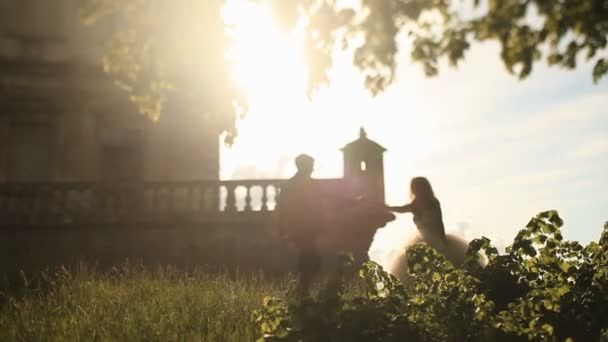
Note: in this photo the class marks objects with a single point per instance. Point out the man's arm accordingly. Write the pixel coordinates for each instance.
(401, 209)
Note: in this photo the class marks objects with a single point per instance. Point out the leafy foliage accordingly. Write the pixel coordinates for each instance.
(156, 44)
(543, 288)
(157, 51)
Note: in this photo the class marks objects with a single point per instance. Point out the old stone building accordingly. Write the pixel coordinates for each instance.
(61, 119)
(84, 176)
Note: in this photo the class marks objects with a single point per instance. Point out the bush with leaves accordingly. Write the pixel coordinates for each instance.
(542, 289)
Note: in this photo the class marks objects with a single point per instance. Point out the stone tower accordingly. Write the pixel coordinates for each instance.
(364, 167)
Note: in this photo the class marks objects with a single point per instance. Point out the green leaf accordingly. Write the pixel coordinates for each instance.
(600, 69)
(548, 328)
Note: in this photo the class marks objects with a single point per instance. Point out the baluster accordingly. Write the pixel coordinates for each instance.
(125, 199)
(8, 204)
(209, 198)
(116, 201)
(100, 202)
(47, 203)
(202, 193)
(14, 205)
(123, 204)
(66, 203)
(170, 198)
(3, 203)
(264, 198)
(74, 202)
(230, 198)
(99, 211)
(214, 198)
(221, 199)
(6, 207)
(31, 207)
(2, 199)
(153, 199)
(137, 196)
(202, 199)
(84, 203)
(161, 194)
(22, 205)
(60, 204)
(88, 202)
(81, 202)
(90, 197)
(52, 208)
(128, 199)
(42, 204)
(34, 210)
(277, 193)
(247, 198)
(111, 197)
(91, 202)
(17, 200)
(160, 199)
(188, 199)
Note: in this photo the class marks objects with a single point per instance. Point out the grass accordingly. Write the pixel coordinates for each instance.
(133, 303)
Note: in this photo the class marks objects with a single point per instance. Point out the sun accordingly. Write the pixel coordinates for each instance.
(266, 62)
(282, 121)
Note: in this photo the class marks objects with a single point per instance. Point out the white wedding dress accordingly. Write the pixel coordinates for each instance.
(454, 248)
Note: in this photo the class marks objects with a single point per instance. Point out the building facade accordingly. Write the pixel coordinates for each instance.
(62, 119)
(82, 173)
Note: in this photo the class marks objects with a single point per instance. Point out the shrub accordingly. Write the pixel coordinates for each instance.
(543, 289)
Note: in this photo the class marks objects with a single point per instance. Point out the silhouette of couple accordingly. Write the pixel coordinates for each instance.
(302, 218)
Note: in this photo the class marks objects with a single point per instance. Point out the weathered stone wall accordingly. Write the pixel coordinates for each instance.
(50, 73)
(248, 248)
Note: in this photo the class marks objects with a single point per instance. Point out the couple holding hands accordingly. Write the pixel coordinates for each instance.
(302, 220)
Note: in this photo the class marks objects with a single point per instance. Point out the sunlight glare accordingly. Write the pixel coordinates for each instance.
(282, 121)
(267, 63)
(270, 66)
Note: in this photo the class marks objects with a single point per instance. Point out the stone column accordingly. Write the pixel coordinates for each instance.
(4, 136)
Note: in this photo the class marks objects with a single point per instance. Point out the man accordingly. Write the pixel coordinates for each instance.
(301, 219)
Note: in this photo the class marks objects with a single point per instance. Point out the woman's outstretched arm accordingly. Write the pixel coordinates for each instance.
(401, 209)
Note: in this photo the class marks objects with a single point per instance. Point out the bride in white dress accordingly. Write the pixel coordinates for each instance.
(428, 219)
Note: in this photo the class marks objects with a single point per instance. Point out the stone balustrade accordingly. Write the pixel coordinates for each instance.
(82, 202)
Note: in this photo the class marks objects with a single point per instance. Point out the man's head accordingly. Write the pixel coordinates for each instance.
(305, 164)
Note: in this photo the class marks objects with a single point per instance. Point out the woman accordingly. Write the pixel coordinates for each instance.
(429, 221)
(427, 212)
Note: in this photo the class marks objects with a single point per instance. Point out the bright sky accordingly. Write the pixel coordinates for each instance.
(496, 150)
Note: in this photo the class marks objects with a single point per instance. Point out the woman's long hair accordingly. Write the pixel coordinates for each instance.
(421, 190)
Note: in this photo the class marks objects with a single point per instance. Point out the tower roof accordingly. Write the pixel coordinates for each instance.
(363, 144)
